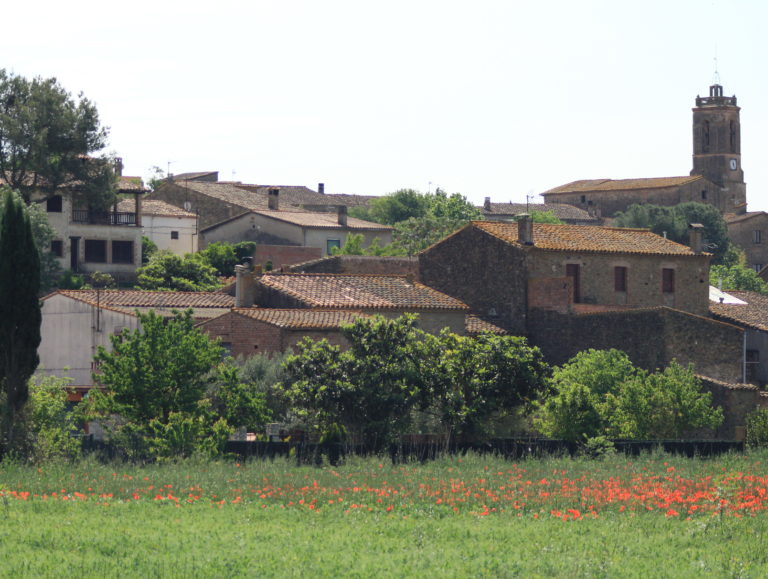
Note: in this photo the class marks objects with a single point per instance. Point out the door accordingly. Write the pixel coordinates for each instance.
(573, 270)
(74, 253)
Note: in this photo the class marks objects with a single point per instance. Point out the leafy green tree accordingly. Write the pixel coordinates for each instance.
(157, 380)
(148, 249)
(48, 139)
(241, 403)
(369, 389)
(48, 422)
(354, 246)
(737, 277)
(545, 217)
(167, 271)
(20, 314)
(414, 235)
(600, 393)
(264, 374)
(395, 207)
(221, 256)
(244, 249)
(470, 383)
(674, 220)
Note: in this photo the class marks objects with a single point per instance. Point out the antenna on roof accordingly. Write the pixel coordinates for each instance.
(168, 172)
(716, 76)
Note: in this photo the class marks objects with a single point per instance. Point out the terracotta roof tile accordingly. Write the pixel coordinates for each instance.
(130, 184)
(302, 318)
(322, 220)
(754, 313)
(476, 325)
(596, 185)
(360, 291)
(733, 218)
(588, 238)
(154, 207)
(204, 304)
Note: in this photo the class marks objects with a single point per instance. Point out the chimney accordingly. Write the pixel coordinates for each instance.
(696, 237)
(321, 188)
(245, 286)
(342, 212)
(487, 204)
(119, 166)
(525, 229)
(273, 200)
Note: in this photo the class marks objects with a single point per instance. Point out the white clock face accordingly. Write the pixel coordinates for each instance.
(733, 164)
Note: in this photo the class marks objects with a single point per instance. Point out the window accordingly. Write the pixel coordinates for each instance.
(57, 247)
(583, 198)
(668, 280)
(95, 251)
(122, 252)
(704, 194)
(572, 270)
(330, 244)
(174, 234)
(54, 204)
(757, 267)
(620, 279)
(757, 236)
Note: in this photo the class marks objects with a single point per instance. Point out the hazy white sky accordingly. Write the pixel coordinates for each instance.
(487, 98)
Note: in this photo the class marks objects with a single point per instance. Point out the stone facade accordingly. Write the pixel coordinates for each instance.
(504, 280)
(652, 338)
(749, 232)
(284, 256)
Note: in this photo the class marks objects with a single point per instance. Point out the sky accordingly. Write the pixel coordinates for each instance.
(500, 99)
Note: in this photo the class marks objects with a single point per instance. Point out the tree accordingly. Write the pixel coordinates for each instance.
(157, 379)
(673, 222)
(737, 277)
(20, 314)
(221, 256)
(168, 271)
(600, 393)
(43, 234)
(148, 249)
(369, 389)
(48, 138)
(545, 217)
(415, 235)
(469, 383)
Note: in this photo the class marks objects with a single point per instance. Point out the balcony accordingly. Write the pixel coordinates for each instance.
(103, 217)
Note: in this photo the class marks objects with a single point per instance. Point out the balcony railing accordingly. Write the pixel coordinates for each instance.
(102, 217)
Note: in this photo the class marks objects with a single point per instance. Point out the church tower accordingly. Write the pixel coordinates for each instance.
(717, 148)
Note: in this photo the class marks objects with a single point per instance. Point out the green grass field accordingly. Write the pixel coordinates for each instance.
(652, 516)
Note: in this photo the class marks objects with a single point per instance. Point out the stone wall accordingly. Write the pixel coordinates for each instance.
(209, 210)
(742, 234)
(652, 338)
(486, 273)
(737, 402)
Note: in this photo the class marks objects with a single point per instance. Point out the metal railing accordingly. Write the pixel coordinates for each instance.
(102, 217)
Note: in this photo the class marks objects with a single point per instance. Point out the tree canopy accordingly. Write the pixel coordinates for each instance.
(20, 314)
(673, 222)
(601, 393)
(48, 139)
(168, 271)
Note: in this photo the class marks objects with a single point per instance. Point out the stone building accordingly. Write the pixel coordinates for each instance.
(749, 231)
(717, 177)
(503, 270)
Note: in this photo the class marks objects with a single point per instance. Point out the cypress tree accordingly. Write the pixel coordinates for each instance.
(20, 314)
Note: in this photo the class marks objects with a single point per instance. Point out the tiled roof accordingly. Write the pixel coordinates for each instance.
(754, 313)
(322, 220)
(193, 175)
(733, 218)
(560, 210)
(130, 184)
(588, 238)
(302, 318)
(360, 291)
(154, 207)
(204, 304)
(595, 185)
(229, 193)
(476, 325)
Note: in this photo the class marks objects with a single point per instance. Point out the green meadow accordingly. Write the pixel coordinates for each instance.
(474, 516)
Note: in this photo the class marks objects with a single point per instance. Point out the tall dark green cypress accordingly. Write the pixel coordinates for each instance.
(20, 314)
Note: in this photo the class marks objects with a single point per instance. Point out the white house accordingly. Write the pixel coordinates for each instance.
(168, 226)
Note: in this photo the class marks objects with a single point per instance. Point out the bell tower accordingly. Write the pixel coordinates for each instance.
(717, 148)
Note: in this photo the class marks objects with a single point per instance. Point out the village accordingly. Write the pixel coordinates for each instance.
(579, 284)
